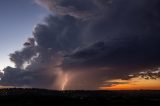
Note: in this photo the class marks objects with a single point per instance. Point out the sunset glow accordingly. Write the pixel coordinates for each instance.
(133, 84)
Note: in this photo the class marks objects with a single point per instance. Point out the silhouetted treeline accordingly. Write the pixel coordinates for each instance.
(29, 97)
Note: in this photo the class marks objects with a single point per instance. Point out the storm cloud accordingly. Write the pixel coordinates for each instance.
(75, 8)
(96, 40)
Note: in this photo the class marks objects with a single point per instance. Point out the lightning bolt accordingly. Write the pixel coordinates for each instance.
(64, 82)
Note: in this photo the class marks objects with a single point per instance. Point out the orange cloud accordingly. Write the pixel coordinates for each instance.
(133, 84)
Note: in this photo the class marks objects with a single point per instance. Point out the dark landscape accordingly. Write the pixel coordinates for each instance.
(28, 97)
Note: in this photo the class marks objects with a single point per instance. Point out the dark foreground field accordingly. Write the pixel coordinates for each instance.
(37, 97)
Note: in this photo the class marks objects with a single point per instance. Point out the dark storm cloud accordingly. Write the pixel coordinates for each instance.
(60, 33)
(20, 57)
(107, 39)
(27, 78)
(75, 8)
(127, 37)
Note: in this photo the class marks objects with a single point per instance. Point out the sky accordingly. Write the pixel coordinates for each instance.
(80, 44)
(17, 19)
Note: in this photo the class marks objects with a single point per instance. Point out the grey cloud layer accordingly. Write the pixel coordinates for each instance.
(75, 8)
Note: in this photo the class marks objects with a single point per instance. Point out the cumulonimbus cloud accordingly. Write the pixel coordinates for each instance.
(99, 39)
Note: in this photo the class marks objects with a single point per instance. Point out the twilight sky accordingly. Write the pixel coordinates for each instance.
(80, 44)
(17, 19)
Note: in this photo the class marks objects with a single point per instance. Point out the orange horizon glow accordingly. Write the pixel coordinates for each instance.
(134, 84)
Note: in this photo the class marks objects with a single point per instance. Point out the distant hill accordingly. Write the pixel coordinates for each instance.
(29, 97)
